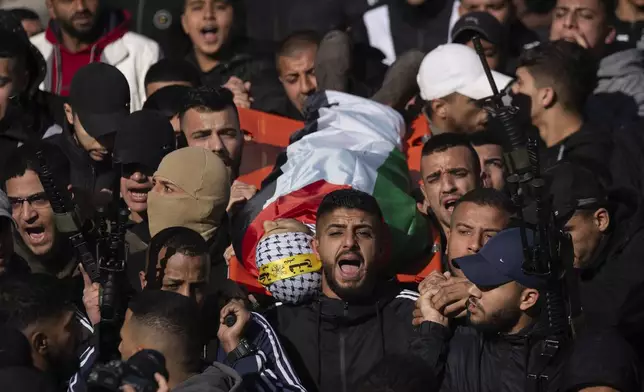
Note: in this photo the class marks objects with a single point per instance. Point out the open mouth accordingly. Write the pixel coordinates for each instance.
(449, 203)
(36, 234)
(209, 33)
(350, 265)
(139, 195)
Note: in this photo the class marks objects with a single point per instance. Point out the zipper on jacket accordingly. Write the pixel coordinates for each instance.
(343, 362)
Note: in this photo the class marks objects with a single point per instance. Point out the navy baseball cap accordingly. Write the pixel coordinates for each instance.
(500, 261)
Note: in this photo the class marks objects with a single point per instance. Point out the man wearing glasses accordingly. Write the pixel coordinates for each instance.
(453, 85)
(37, 240)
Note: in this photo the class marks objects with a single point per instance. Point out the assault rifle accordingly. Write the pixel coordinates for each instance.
(551, 255)
(107, 265)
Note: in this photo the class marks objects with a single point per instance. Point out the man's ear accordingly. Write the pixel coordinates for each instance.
(529, 298)
(184, 22)
(316, 245)
(439, 108)
(69, 113)
(602, 219)
(50, 8)
(547, 97)
(40, 343)
(610, 37)
(142, 279)
(422, 190)
(461, 10)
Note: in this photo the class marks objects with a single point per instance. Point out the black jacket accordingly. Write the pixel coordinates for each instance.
(520, 38)
(617, 270)
(333, 344)
(478, 363)
(615, 156)
(628, 34)
(29, 121)
(267, 92)
(423, 27)
(86, 175)
(602, 358)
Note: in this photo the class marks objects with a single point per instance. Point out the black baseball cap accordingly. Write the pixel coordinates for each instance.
(500, 261)
(574, 187)
(481, 23)
(100, 96)
(168, 100)
(144, 137)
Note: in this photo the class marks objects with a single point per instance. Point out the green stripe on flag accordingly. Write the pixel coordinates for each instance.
(410, 236)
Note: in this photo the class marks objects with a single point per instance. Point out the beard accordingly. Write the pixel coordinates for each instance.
(500, 321)
(356, 291)
(83, 35)
(64, 368)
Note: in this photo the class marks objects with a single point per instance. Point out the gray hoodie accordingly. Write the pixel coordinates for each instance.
(216, 378)
(5, 207)
(623, 72)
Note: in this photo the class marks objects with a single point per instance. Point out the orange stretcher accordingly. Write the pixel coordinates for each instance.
(267, 135)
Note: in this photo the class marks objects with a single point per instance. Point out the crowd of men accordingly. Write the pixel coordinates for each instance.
(104, 114)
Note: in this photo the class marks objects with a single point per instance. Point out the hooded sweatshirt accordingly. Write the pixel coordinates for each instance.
(620, 89)
(216, 378)
(66, 62)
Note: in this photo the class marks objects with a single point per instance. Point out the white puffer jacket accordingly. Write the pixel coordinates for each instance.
(132, 54)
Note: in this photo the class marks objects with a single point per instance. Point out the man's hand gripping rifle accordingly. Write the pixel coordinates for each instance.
(109, 266)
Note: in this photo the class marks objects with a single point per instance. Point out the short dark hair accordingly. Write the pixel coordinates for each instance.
(488, 197)
(398, 373)
(445, 141)
(24, 158)
(208, 99)
(24, 14)
(173, 70)
(567, 68)
(352, 199)
(295, 42)
(174, 316)
(483, 138)
(178, 240)
(168, 100)
(31, 298)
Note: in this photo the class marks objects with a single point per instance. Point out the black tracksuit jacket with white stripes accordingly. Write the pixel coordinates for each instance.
(266, 369)
(334, 344)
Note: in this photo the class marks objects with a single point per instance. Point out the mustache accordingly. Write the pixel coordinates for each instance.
(351, 253)
(82, 15)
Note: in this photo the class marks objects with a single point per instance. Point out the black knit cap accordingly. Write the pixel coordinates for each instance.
(144, 137)
(100, 96)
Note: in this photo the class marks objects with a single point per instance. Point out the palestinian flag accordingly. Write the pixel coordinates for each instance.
(347, 142)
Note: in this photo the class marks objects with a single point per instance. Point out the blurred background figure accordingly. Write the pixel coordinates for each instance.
(29, 19)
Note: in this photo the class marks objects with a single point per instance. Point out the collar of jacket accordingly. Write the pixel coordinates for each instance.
(342, 312)
(61, 251)
(113, 53)
(523, 337)
(226, 64)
